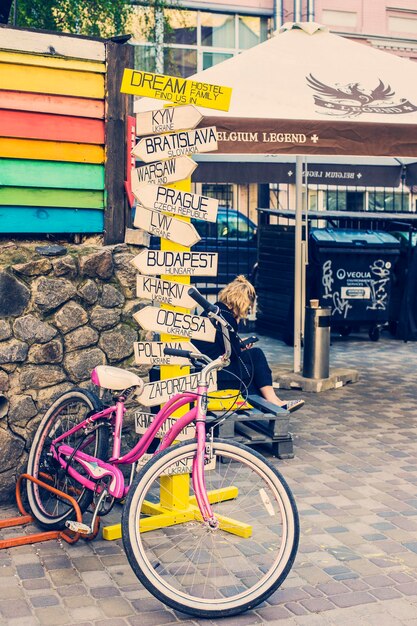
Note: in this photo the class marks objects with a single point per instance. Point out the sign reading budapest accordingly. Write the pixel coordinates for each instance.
(176, 90)
(175, 144)
(167, 120)
(176, 201)
(161, 225)
(162, 390)
(175, 323)
(173, 263)
(164, 291)
(163, 172)
(152, 352)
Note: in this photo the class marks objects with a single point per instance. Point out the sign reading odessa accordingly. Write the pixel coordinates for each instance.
(176, 201)
(165, 291)
(173, 263)
(176, 90)
(169, 119)
(162, 390)
(152, 352)
(176, 144)
(163, 172)
(161, 225)
(176, 323)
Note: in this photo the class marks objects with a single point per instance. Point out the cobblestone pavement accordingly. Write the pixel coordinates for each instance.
(354, 477)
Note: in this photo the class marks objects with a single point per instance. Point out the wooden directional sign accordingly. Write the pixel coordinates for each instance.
(174, 263)
(176, 90)
(163, 172)
(165, 291)
(167, 120)
(162, 390)
(176, 323)
(161, 225)
(184, 203)
(184, 466)
(152, 352)
(175, 144)
(144, 420)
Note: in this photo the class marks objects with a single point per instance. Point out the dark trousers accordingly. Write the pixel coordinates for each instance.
(251, 367)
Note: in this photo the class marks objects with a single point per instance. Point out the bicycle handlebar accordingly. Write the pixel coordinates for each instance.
(177, 352)
(200, 299)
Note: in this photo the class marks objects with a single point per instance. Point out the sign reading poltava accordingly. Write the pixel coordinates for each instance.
(176, 90)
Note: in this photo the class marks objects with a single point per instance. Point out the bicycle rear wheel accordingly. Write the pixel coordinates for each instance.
(212, 572)
(67, 411)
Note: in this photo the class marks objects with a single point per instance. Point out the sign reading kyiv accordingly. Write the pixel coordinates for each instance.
(167, 120)
(162, 390)
(165, 291)
(173, 263)
(152, 352)
(163, 172)
(175, 144)
(176, 90)
(176, 323)
(161, 225)
(176, 201)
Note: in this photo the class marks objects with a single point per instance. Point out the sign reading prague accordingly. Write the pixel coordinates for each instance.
(164, 291)
(176, 90)
(176, 323)
(163, 172)
(161, 225)
(173, 263)
(175, 144)
(176, 201)
(167, 120)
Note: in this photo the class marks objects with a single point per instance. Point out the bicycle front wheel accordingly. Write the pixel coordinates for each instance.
(197, 569)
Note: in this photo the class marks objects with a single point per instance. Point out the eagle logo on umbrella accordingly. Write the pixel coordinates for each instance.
(352, 100)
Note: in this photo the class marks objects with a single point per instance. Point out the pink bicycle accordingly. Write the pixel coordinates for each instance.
(209, 527)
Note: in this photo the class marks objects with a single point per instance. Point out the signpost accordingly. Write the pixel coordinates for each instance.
(175, 144)
(163, 172)
(167, 120)
(152, 352)
(161, 391)
(157, 223)
(184, 203)
(176, 90)
(173, 263)
(166, 291)
(144, 420)
(176, 323)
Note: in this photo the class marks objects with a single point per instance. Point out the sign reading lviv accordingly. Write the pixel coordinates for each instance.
(176, 323)
(182, 203)
(163, 172)
(164, 291)
(162, 390)
(152, 352)
(174, 263)
(167, 120)
(176, 90)
(175, 144)
(157, 223)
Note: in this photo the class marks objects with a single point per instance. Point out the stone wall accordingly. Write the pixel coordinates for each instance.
(62, 312)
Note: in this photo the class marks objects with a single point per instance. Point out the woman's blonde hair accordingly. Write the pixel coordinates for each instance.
(239, 296)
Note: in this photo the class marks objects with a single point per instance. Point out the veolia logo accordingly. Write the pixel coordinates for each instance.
(341, 273)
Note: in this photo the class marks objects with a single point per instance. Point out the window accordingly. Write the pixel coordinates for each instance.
(403, 24)
(388, 201)
(223, 192)
(339, 18)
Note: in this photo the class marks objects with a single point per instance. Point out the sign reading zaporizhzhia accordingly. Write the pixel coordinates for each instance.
(162, 390)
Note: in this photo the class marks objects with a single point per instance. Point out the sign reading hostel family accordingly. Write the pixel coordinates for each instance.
(173, 263)
(144, 420)
(164, 291)
(152, 352)
(176, 201)
(161, 225)
(162, 390)
(163, 172)
(175, 323)
(175, 144)
(167, 120)
(176, 90)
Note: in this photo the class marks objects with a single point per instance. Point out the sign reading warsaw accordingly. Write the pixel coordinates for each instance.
(144, 420)
(161, 225)
(162, 390)
(176, 90)
(165, 291)
(175, 144)
(152, 352)
(176, 323)
(176, 201)
(173, 263)
(167, 120)
(163, 172)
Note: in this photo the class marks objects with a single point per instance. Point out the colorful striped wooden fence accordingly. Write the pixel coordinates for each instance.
(57, 109)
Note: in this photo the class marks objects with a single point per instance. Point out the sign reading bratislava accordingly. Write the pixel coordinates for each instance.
(175, 144)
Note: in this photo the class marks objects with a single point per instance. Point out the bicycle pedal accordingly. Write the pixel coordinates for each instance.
(78, 527)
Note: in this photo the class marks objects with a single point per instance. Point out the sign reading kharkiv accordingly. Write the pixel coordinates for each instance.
(176, 323)
(176, 144)
(182, 203)
(156, 223)
(174, 263)
(176, 90)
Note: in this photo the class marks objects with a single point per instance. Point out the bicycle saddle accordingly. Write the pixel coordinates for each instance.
(115, 378)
